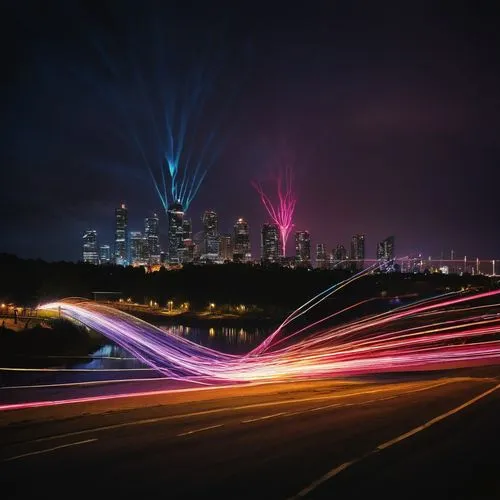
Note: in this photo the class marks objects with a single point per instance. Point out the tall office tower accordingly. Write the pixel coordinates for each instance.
(90, 252)
(175, 215)
(321, 257)
(104, 254)
(210, 235)
(226, 247)
(187, 229)
(270, 244)
(303, 248)
(339, 257)
(152, 237)
(188, 252)
(138, 249)
(357, 252)
(121, 240)
(241, 250)
(385, 249)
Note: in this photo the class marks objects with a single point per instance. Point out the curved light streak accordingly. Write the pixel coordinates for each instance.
(435, 333)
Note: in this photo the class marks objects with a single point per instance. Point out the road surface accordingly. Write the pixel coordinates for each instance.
(431, 438)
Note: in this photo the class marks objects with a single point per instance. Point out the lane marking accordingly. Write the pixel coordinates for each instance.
(194, 380)
(89, 382)
(266, 417)
(48, 450)
(222, 410)
(344, 405)
(199, 430)
(337, 470)
(340, 405)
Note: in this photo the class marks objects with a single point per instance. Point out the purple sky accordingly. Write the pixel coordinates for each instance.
(390, 117)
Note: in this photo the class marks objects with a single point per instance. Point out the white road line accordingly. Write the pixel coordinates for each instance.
(48, 450)
(90, 382)
(344, 405)
(337, 470)
(263, 418)
(199, 430)
(340, 405)
(222, 410)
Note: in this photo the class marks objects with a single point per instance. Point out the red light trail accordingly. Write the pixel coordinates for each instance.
(454, 330)
(434, 333)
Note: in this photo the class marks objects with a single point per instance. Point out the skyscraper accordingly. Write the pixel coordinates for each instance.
(303, 248)
(152, 237)
(104, 254)
(321, 257)
(357, 252)
(226, 247)
(187, 229)
(121, 243)
(385, 249)
(241, 251)
(339, 257)
(138, 249)
(210, 235)
(90, 253)
(270, 243)
(188, 243)
(175, 215)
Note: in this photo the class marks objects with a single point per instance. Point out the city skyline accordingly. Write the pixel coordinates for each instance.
(385, 138)
(210, 245)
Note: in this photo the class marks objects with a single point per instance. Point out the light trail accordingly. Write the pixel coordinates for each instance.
(436, 333)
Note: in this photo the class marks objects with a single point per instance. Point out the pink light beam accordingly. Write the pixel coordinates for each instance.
(281, 212)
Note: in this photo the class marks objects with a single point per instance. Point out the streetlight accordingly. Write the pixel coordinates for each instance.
(170, 304)
(211, 306)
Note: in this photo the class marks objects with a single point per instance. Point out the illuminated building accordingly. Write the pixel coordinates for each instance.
(121, 243)
(385, 255)
(187, 229)
(138, 249)
(175, 250)
(385, 249)
(188, 255)
(226, 247)
(358, 252)
(241, 250)
(270, 243)
(303, 248)
(210, 249)
(104, 254)
(339, 257)
(90, 253)
(152, 237)
(321, 257)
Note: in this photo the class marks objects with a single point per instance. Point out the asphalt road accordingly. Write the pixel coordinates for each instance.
(433, 438)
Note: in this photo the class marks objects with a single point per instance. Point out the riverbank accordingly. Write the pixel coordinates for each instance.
(30, 346)
(205, 319)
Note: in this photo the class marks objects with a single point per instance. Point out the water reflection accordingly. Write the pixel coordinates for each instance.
(225, 339)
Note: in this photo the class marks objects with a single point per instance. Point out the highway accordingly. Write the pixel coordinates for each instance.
(435, 438)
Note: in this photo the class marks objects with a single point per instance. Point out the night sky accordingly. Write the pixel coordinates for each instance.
(390, 117)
